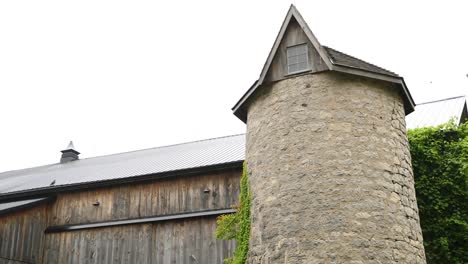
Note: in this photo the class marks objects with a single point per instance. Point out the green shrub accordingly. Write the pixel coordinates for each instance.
(237, 226)
(440, 164)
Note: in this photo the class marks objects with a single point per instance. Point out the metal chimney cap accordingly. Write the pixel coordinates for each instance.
(69, 154)
(70, 148)
(70, 145)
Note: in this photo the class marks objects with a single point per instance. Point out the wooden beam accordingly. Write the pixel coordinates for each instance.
(65, 228)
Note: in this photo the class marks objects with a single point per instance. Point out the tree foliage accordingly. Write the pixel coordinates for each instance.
(237, 226)
(440, 164)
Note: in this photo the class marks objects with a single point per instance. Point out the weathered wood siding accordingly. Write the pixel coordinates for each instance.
(22, 235)
(294, 35)
(162, 197)
(177, 241)
(184, 241)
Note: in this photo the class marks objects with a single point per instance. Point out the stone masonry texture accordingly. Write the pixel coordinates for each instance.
(330, 173)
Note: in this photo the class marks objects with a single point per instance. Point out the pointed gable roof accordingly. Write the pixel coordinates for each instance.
(334, 61)
(293, 14)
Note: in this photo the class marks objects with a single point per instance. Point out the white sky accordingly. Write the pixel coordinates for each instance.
(115, 76)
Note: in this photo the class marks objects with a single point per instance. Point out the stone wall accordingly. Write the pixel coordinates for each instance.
(330, 173)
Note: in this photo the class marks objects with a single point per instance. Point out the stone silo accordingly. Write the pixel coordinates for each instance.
(328, 157)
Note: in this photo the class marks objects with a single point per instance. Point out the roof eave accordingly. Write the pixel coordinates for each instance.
(52, 190)
(238, 110)
(27, 205)
(409, 104)
(407, 98)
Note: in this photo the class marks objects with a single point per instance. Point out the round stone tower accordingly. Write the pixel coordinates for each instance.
(328, 158)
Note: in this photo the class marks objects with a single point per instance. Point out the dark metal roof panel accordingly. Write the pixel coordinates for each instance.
(130, 164)
(340, 58)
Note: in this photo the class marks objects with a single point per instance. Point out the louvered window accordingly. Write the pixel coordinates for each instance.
(297, 58)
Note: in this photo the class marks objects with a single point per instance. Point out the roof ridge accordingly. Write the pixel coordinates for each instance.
(166, 146)
(445, 99)
(29, 168)
(119, 153)
(327, 47)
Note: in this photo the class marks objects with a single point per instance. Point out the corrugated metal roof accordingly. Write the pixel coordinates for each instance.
(436, 112)
(143, 162)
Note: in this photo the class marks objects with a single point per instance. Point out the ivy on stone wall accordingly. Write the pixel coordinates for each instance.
(440, 165)
(237, 226)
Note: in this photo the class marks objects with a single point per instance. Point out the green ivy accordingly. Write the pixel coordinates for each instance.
(440, 164)
(237, 226)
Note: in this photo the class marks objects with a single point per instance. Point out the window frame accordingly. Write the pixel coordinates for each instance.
(307, 67)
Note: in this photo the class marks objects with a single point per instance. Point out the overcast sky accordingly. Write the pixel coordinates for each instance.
(116, 76)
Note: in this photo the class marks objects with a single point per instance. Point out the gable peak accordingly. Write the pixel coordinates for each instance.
(286, 61)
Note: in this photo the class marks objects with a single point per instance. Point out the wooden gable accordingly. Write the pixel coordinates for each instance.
(293, 36)
(295, 31)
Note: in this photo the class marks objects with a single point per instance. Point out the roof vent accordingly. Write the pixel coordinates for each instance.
(69, 154)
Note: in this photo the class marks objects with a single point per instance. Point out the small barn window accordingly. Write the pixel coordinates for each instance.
(298, 60)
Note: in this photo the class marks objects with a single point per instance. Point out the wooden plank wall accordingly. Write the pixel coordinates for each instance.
(183, 241)
(178, 241)
(22, 235)
(168, 196)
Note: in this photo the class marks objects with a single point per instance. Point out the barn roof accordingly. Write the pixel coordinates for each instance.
(435, 113)
(183, 158)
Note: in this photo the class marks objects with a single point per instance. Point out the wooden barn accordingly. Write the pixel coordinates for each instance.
(160, 205)
(156, 205)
